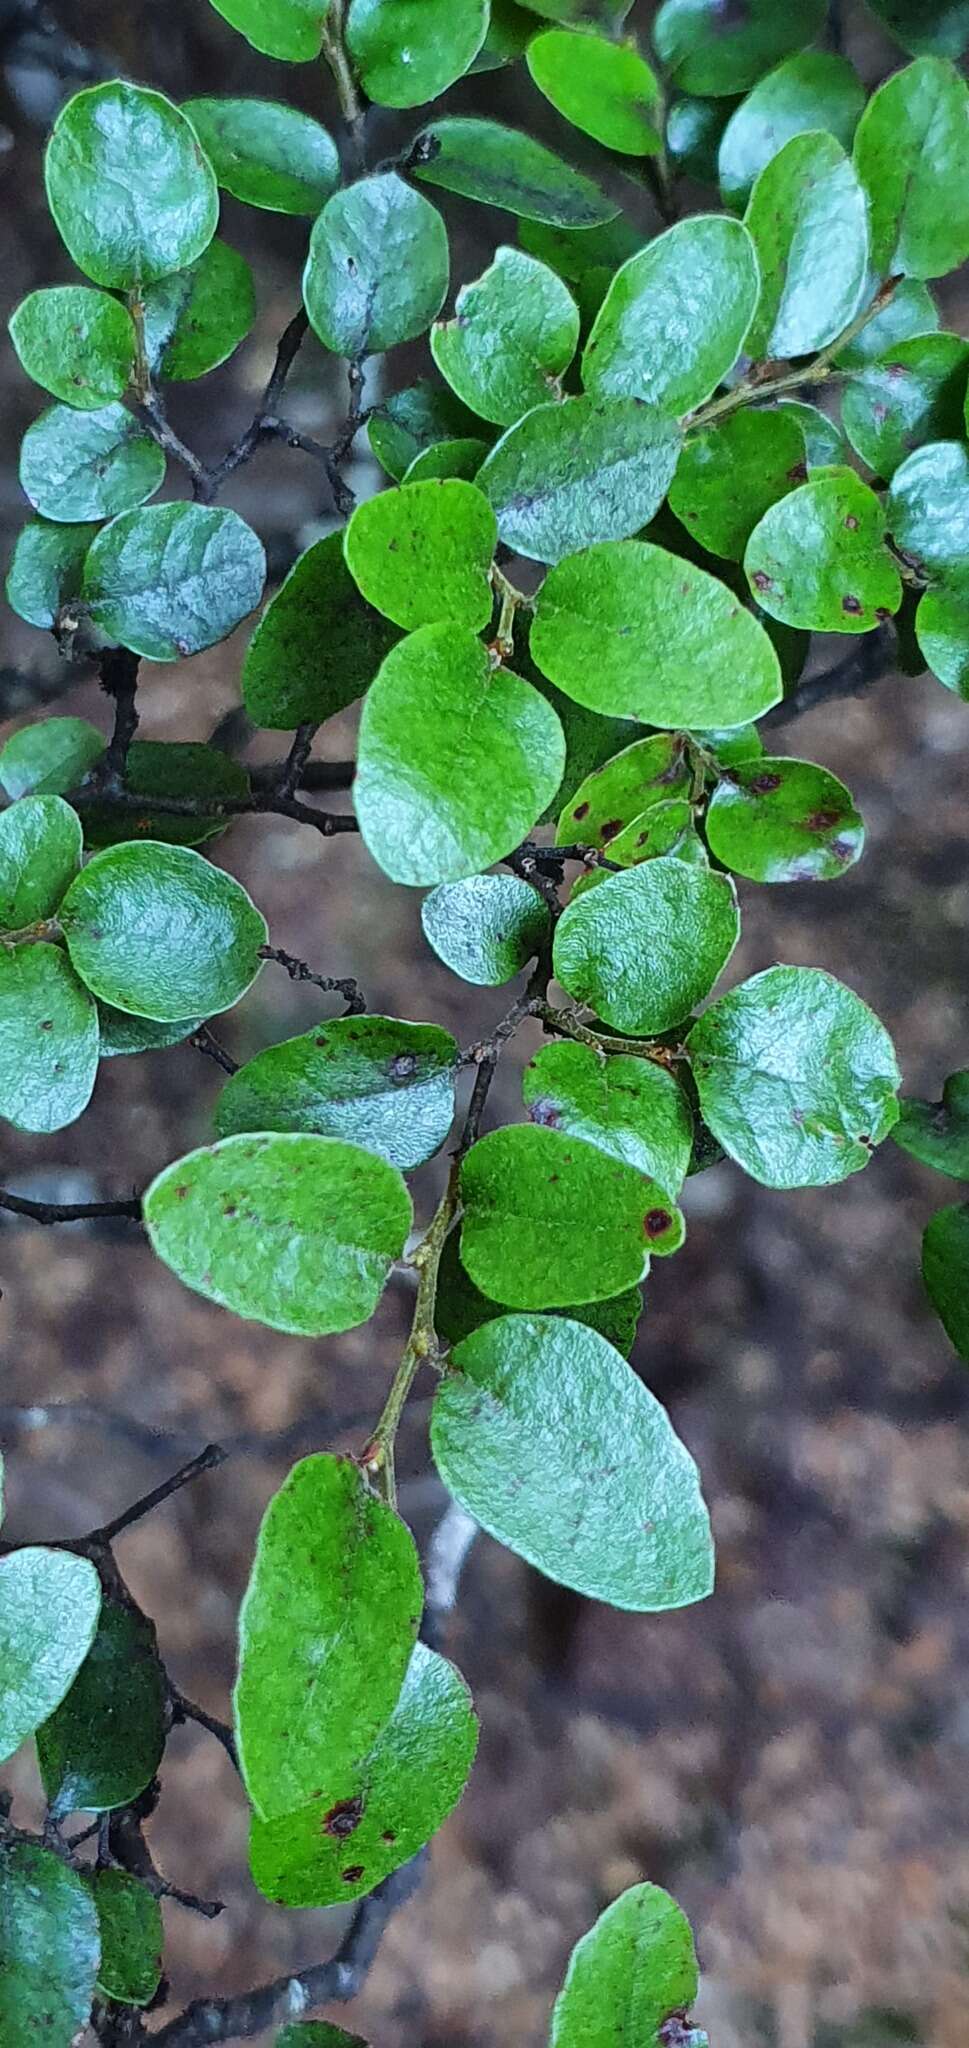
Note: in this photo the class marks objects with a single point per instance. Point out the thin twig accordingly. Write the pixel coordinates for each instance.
(186, 1710)
(69, 1212)
(337, 984)
(206, 1461)
(203, 1041)
(260, 804)
(118, 670)
(292, 770)
(130, 1851)
(315, 775)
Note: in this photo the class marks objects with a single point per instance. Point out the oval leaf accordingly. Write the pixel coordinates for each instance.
(647, 945)
(40, 853)
(814, 90)
(818, 558)
(636, 1968)
(377, 270)
(729, 476)
(710, 53)
(292, 29)
(317, 646)
(630, 1108)
(912, 156)
(915, 394)
(104, 1743)
(48, 1039)
(589, 469)
(46, 569)
(267, 155)
(50, 1947)
(195, 318)
(606, 89)
(642, 776)
(88, 465)
(673, 321)
(132, 1938)
(485, 928)
(49, 1606)
(501, 167)
(121, 227)
(374, 1080)
(422, 555)
(156, 930)
(945, 1271)
(937, 1133)
(513, 334)
(408, 51)
(79, 344)
(808, 218)
(170, 580)
(927, 509)
(784, 821)
(48, 758)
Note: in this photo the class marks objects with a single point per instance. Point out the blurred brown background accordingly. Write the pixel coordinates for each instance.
(790, 1759)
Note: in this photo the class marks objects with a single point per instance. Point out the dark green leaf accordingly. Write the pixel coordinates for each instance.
(104, 1742)
(632, 1109)
(912, 156)
(628, 628)
(589, 739)
(914, 395)
(49, 1606)
(513, 334)
(172, 768)
(457, 759)
(796, 1077)
(422, 555)
(549, 1219)
(824, 442)
(811, 91)
(694, 128)
(88, 465)
(317, 646)
(40, 853)
(295, 1231)
(78, 343)
(408, 422)
(501, 167)
(592, 468)
(461, 1307)
(648, 773)
(542, 1432)
(485, 928)
(647, 945)
(50, 1947)
(156, 930)
(121, 1034)
(130, 1927)
(818, 558)
(607, 14)
(937, 1133)
(910, 310)
(784, 821)
(373, 1816)
(636, 1968)
(377, 271)
(266, 154)
(711, 53)
(48, 1039)
(50, 757)
(509, 32)
(927, 509)
(605, 88)
(197, 317)
(46, 569)
(728, 476)
(317, 2034)
(326, 1631)
(292, 29)
(939, 27)
(942, 630)
(945, 1271)
(673, 321)
(408, 51)
(124, 228)
(447, 458)
(169, 580)
(379, 1082)
(808, 219)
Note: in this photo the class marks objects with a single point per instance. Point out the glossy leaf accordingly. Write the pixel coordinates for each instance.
(197, 317)
(942, 632)
(132, 1938)
(934, 26)
(550, 1220)
(808, 219)
(49, 758)
(607, 89)
(461, 1307)
(317, 2034)
(635, 1969)
(501, 167)
(88, 465)
(78, 343)
(422, 555)
(912, 156)
(814, 90)
(121, 227)
(291, 1230)
(818, 558)
(694, 128)
(513, 333)
(927, 509)
(662, 828)
(914, 395)
(630, 1108)
(406, 52)
(160, 932)
(402, 426)
(510, 30)
(46, 569)
(796, 1077)
(542, 1432)
(40, 853)
(377, 271)
(945, 1271)
(456, 761)
(48, 1039)
(326, 1631)
(266, 154)
(728, 476)
(629, 629)
(784, 821)
(592, 468)
(49, 1606)
(104, 1742)
(710, 54)
(485, 928)
(647, 945)
(50, 1946)
(824, 443)
(377, 1081)
(317, 646)
(909, 310)
(674, 319)
(291, 29)
(176, 769)
(937, 1133)
(170, 580)
(123, 1035)
(642, 776)
(447, 458)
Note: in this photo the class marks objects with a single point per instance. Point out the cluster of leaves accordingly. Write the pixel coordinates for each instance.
(628, 414)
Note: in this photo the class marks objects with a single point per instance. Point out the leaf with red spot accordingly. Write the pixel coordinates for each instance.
(784, 821)
(817, 559)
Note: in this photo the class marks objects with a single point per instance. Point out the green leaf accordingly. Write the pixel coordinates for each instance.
(78, 343)
(631, 1108)
(673, 321)
(157, 931)
(646, 774)
(88, 465)
(132, 1938)
(50, 1947)
(326, 1631)
(811, 91)
(513, 335)
(647, 945)
(912, 156)
(945, 1271)
(291, 29)
(374, 1080)
(373, 1816)
(589, 739)
(377, 271)
(796, 1077)
(628, 628)
(49, 1605)
(49, 758)
(121, 1034)
(447, 458)
(544, 1434)
(298, 1232)
(104, 1743)
(927, 509)
(942, 631)
(422, 554)
(585, 257)
(485, 928)
(461, 1307)
(694, 128)
(197, 317)
(784, 821)
(713, 54)
(606, 89)
(914, 395)
(940, 27)
(502, 167)
(456, 760)
(124, 228)
(589, 469)
(317, 2034)
(171, 768)
(40, 853)
(406, 52)
(607, 14)
(550, 1219)
(824, 442)
(910, 310)
(170, 580)
(48, 1038)
(937, 1133)
(729, 476)
(808, 219)
(317, 646)
(509, 32)
(46, 569)
(631, 1974)
(410, 421)
(266, 154)
(663, 828)
(818, 558)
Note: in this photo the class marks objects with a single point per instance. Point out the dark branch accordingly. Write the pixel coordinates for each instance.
(292, 770)
(118, 670)
(206, 1461)
(69, 1212)
(186, 1710)
(871, 658)
(129, 1850)
(315, 775)
(203, 1041)
(328, 823)
(340, 984)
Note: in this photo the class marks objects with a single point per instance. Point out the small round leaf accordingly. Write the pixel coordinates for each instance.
(729, 476)
(422, 554)
(79, 344)
(132, 1938)
(633, 1109)
(647, 945)
(408, 51)
(485, 928)
(501, 167)
(673, 321)
(50, 757)
(267, 155)
(915, 394)
(638, 1959)
(814, 90)
(50, 1946)
(589, 469)
(123, 227)
(317, 646)
(46, 569)
(377, 270)
(48, 1039)
(159, 932)
(104, 1743)
(784, 821)
(40, 853)
(513, 334)
(49, 1606)
(606, 89)
(818, 558)
(89, 465)
(374, 1080)
(912, 156)
(197, 317)
(170, 580)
